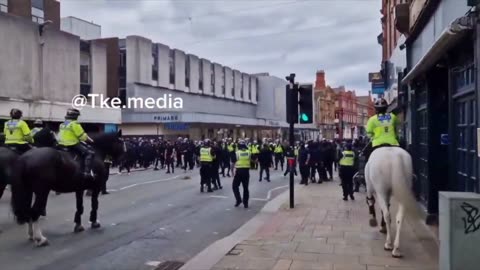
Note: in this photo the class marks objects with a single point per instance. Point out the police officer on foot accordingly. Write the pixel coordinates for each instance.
(242, 174)
(347, 171)
(73, 137)
(206, 165)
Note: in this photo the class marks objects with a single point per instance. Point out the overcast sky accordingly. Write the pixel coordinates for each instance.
(274, 36)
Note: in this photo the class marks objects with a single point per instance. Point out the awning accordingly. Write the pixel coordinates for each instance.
(447, 40)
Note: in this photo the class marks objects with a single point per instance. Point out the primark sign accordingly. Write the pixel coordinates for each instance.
(166, 118)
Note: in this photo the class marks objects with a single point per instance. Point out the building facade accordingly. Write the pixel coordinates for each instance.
(345, 113)
(437, 93)
(218, 101)
(365, 110)
(43, 68)
(85, 30)
(325, 107)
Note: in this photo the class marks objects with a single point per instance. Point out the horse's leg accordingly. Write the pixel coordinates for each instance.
(39, 206)
(386, 214)
(93, 213)
(30, 231)
(370, 200)
(40, 240)
(2, 189)
(383, 225)
(400, 214)
(78, 214)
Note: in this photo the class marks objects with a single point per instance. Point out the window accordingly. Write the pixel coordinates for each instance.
(212, 74)
(233, 84)
(154, 63)
(122, 70)
(187, 71)
(224, 82)
(37, 12)
(200, 77)
(241, 87)
(84, 68)
(258, 90)
(123, 58)
(4, 6)
(249, 89)
(171, 62)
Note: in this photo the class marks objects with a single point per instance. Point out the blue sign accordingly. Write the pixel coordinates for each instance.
(378, 90)
(444, 140)
(110, 128)
(176, 126)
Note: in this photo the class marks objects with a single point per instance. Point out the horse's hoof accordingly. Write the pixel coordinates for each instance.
(373, 222)
(30, 238)
(397, 254)
(383, 230)
(388, 247)
(41, 242)
(96, 225)
(78, 228)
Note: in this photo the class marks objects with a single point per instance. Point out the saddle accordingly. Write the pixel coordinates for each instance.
(13, 148)
(74, 155)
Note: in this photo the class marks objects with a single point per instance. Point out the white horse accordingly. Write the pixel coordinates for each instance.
(389, 173)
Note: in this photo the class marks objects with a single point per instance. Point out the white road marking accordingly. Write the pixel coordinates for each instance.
(153, 263)
(162, 229)
(114, 224)
(215, 233)
(269, 194)
(149, 182)
(228, 209)
(188, 231)
(258, 199)
(219, 196)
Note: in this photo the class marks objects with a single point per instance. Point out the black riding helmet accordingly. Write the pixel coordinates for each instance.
(16, 113)
(381, 105)
(72, 114)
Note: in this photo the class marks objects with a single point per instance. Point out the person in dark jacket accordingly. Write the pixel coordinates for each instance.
(217, 158)
(302, 163)
(314, 161)
(265, 159)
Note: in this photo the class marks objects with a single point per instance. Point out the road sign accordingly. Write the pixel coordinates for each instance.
(374, 76)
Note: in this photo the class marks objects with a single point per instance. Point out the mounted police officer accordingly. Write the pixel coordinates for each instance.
(242, 174)
(382, 127)
(43, 136)
(73, 137)
(17, 133)
(347, 171)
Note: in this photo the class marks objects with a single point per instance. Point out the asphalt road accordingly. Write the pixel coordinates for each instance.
(149, 217)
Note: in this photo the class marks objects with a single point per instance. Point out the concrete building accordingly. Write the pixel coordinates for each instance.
(85, 30)
(218, 101)
(365, 110)
(43, 68)
(345, 113)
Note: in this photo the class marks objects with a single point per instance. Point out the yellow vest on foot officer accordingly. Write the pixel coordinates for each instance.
(206, 166)
(347, 171)
(242, 174)
(73, 136)
(17, 133)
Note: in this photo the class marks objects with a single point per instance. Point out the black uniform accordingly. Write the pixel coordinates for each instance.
(169, 158)
(217, 159)
(265, 160)
(302, 162)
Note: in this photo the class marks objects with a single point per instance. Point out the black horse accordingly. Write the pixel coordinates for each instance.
(8, 157)
(43, 169)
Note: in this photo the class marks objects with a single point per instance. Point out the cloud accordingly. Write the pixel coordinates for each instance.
(275, 36)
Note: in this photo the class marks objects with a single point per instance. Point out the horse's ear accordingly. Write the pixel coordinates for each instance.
(119, 133)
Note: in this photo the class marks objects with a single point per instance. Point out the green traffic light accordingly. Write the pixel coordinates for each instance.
(304, 117)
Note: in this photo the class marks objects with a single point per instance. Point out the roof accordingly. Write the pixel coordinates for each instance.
(364, 99)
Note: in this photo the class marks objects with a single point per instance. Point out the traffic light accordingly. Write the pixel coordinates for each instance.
(292, 103)
(306, 104)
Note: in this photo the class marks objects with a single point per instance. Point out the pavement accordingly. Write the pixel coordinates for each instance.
(322, 232)
(150, 217)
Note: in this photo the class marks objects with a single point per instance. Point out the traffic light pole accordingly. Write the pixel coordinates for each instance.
(292, 155)
(292, 104)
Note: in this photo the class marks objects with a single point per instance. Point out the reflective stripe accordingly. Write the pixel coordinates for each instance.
(205, 155)
(348, 158)
(243, 159)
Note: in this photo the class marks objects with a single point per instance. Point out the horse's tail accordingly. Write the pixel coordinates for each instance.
(21, 193)
(402, 185)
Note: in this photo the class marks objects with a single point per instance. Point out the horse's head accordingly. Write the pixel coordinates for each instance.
(110, 144)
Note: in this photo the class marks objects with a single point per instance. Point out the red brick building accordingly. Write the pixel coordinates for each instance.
(346, 113)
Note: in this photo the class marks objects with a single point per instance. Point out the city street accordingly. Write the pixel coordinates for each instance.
(149, 217)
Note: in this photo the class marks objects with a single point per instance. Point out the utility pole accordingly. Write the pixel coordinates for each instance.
(292, 118)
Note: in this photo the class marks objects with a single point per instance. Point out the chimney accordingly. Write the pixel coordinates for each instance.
(320, 81)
